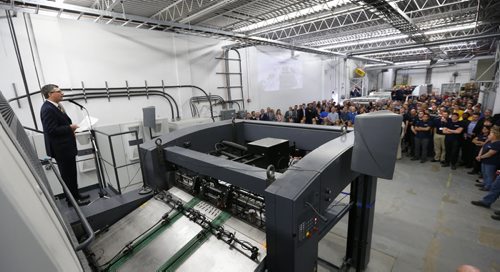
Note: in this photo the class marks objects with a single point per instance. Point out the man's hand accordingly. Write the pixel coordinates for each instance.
(73, 127)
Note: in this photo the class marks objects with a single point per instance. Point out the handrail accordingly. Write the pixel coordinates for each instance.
(114, 164)
(32, 129)
(88, 229)
(216, 98)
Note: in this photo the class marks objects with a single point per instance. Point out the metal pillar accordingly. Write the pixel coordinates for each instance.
(360, 225)
(428, 75)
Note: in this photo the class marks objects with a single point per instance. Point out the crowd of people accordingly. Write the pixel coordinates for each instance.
(447, 129)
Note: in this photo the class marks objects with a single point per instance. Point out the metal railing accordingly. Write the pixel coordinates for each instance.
(86, 226)
(113, 163)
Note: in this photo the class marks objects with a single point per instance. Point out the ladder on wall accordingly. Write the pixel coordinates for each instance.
(357, 81)
(229, 80)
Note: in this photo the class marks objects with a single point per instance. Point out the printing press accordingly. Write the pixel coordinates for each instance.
(241, 195)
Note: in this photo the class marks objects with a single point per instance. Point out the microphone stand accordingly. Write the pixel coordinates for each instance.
(97, 155)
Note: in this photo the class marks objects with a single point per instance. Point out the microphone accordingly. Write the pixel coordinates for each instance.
(76, 103)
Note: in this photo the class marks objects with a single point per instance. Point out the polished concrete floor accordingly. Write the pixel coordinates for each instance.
(424, 222)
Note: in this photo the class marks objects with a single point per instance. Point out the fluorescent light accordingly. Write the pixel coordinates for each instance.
(415, 62)
(458, 45)
(375, 40)
(314, 9)
(59, 1)
(375, 65)
(449, 29)
(398, 51)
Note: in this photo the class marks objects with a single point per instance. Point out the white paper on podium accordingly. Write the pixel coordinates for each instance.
(84, 124)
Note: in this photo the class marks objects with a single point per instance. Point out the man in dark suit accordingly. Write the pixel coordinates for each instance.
(60, 141)
(300, 114)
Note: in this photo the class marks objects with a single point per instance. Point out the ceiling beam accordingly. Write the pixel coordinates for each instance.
(166, 8)
(428, 65)
(428, 44)
(112, 5)
(224, 13)
(205, 11)
(31, 6)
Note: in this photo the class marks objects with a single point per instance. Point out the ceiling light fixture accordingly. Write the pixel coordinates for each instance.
(317, 8)
(396, 52)
(414, 62)
(375, 40)
(450, 29)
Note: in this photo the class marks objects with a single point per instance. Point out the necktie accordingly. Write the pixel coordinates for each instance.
(60, 108)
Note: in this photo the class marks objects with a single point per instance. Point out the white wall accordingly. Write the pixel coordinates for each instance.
(417, 77)
(378, 80)
(439, 76)
(496, 107)
(445, 74)
(313, 77)
(387, 78)
(279, 80)
(71, 52)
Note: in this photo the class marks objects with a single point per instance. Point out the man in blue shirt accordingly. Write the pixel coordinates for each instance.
(453, 139)
(422, 129)
(351, 115)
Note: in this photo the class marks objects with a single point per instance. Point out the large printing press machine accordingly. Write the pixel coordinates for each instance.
(242, 195)
(233, 195)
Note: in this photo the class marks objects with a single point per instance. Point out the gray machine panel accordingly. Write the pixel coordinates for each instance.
(227, 114)
(307, 137)
(244, 176)
(374, 150)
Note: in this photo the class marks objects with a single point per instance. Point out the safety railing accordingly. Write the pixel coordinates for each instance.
(112, 161)
(86, 226)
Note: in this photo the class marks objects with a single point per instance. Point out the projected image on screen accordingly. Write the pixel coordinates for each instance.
(275, 73)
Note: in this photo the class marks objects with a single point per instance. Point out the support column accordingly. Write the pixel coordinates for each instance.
(360, 225)
(428, 76)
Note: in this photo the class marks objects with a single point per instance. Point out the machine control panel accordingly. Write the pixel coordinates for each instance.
(308, 228)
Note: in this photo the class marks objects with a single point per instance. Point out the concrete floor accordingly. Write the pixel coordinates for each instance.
(424, 222)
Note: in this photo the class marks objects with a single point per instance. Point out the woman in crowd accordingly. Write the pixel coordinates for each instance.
(489, 156)
(478, 142)
(279, 116)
